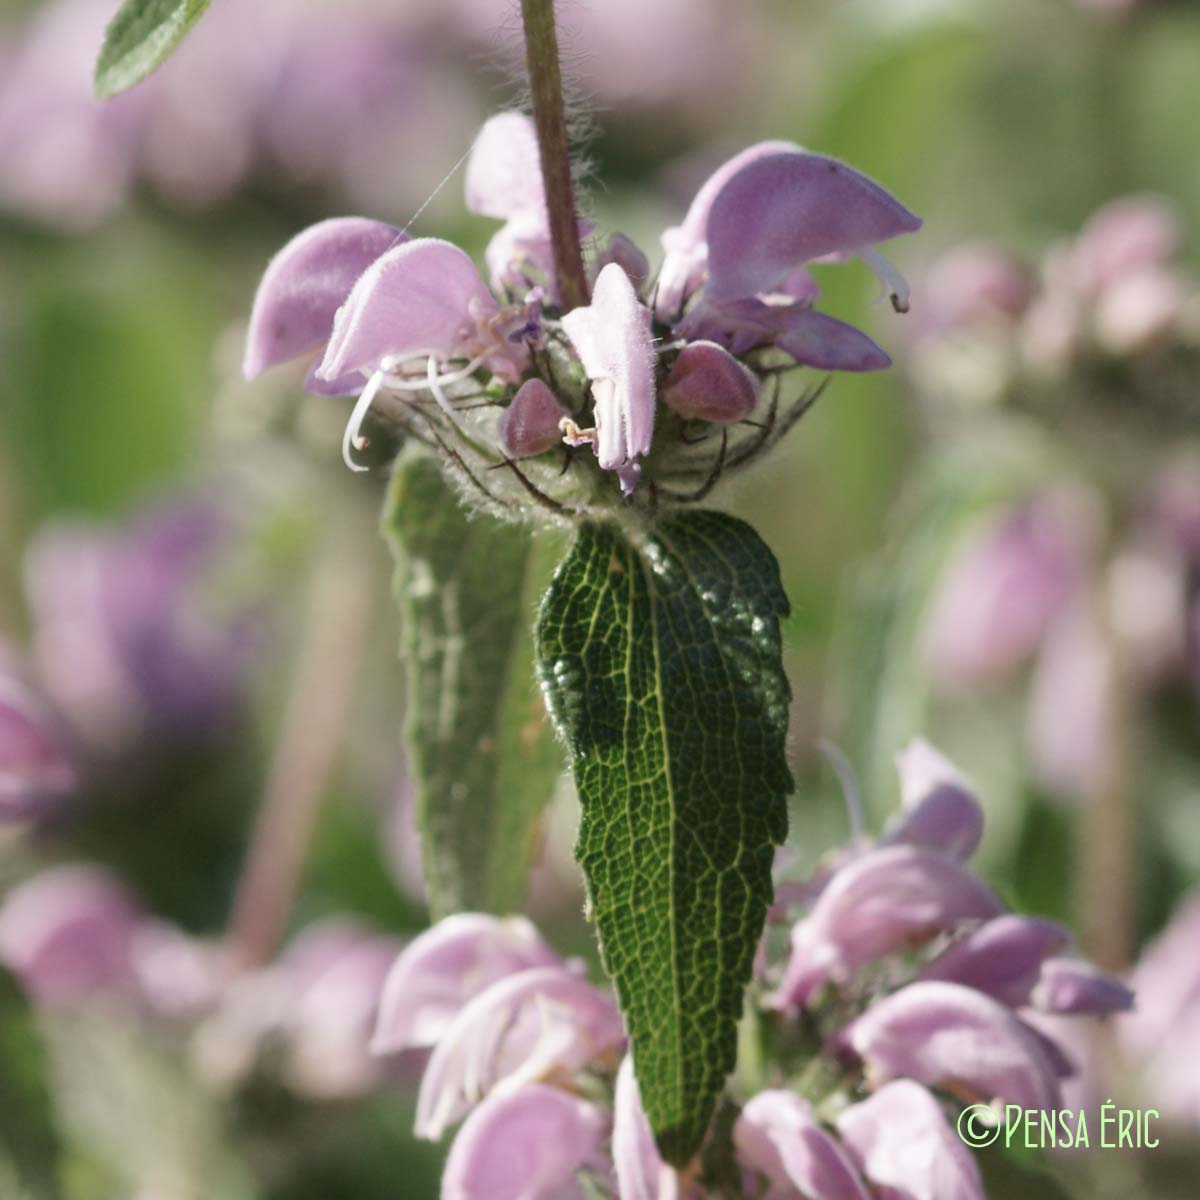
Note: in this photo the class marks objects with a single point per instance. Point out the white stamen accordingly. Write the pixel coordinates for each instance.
(894, 283)
(850, 794)
(353, 435)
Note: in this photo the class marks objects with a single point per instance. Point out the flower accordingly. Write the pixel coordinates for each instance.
(777, 1137)
(74, 935)
(905, 1147)
(949, 1035)
(527, 1145)
(125, 642)
(612, 338)
(747, 238)
(35, 766)
(521, 1029)
(507, 370)
(446, 966)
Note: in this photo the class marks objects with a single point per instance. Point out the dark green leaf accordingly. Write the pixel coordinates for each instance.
(484, 757)
(661, 661)
(139, 38)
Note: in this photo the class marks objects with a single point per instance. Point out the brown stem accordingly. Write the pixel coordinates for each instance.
(313, 724)
(549, 118)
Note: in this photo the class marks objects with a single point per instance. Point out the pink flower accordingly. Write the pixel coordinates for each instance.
(878, 903)
(938, 809)
(904, 1146)
(742, 249)
(1002, 958)
(777, 1137)
(35, 768)
(612, 338)
(518, 1031)
(306, 283)
(447, 966)
(641, 1173)
(1070, 986)
(527, 1145)
(948, 1035)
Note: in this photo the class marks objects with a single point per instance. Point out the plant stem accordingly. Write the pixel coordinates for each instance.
(318, 705)
(549, 118)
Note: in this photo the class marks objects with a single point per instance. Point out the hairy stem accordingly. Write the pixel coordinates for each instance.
(549, 117)
(314, 720)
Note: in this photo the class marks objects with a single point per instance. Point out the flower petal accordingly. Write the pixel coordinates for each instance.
(423, 297)
(903, 1145)
(517, 1031)
(612, 338)
(638, 1165)
(884, 900)
(940, 812)
(1069, 986)
(824, 342)
(444, 968)
(1002, 958)
(305, 284)
(777, 1136)
(686, 244)
(524, 1146)
(781, 211)
(944, 1034)
(504, 173)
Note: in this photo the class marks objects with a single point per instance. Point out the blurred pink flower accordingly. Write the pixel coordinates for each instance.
(904, 1146)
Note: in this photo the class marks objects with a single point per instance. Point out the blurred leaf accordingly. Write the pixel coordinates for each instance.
(140, 37)
(484, 758)
(663, 668)
(28, 1142)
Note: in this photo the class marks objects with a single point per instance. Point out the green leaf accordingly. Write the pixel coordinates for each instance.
(661, 662)
(483, 754)
(139, 38)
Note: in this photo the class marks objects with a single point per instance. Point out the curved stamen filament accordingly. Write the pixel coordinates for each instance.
(894, 283)
(353, 435)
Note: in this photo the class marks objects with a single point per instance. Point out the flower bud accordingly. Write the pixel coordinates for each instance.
(707, 383)
(529, 425)
(1069, 986)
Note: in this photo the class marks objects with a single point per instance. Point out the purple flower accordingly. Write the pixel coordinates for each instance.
(124, 641)
(1069, 986)
(938, 809)
(883, 901)
(612, 338)
(527, 1145)
(744, 244)
(504, 181)
(1003, 958)
(35, 768)
(517, 1031)
(707, 383)
(950, 1036)
(444, 968)
(1003, 590)
(904, 1146)
(309, 1014)
(306, 283)
(777, 1137)
(74, 936)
